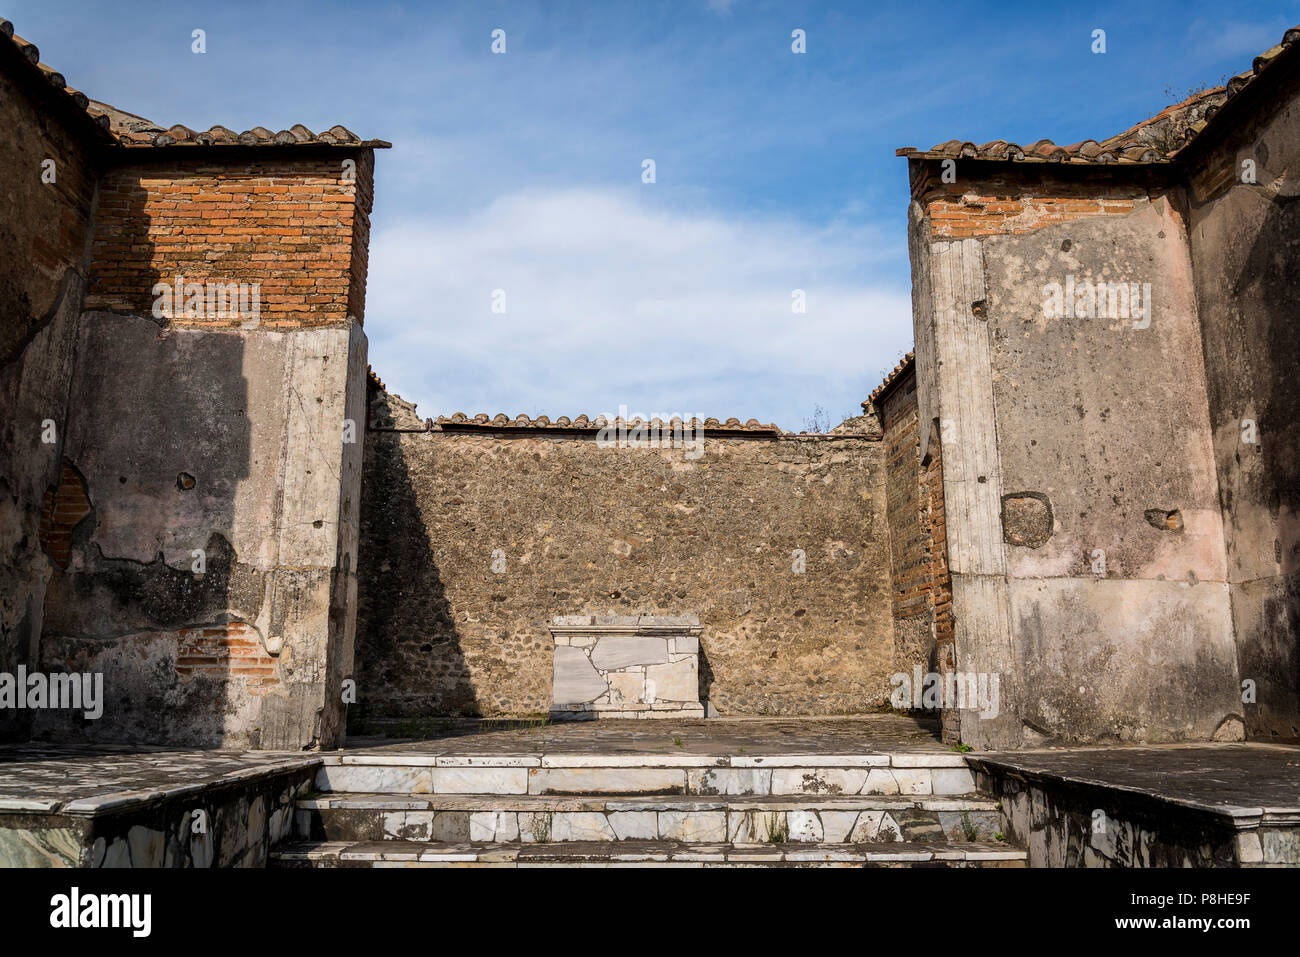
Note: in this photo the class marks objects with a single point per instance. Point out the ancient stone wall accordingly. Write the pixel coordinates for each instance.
(204, 529)
(1244, 223)
(46, 204)
(473, 541)
(1081, 501)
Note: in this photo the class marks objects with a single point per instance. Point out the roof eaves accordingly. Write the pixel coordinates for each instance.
(55, 81)
(1157, 140)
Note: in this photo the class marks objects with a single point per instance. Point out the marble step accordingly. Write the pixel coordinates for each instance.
(911, 773)
(491, 818)
(642, 854)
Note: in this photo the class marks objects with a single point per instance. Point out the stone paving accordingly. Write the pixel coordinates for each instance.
(69, 779)
(1250, 777)
(869, 734)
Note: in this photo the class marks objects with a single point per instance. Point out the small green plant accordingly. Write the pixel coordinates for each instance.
(778, 828)
(999, 836)
(677, 740)
(968, 826)
(961, 748)
(742, 750)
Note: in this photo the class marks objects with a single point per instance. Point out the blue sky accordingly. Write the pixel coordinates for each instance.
(522, 171)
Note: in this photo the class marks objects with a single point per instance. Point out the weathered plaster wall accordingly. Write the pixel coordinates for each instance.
(584, 530)
(1245, 241)
(43, 264)
(1062, 437)
(251, 651)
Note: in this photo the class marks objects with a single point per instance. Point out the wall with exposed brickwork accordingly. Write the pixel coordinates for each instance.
(922, 594)
(268, 499)
(987, 200)
(1062, 436)
(179, 488)
(586, 530)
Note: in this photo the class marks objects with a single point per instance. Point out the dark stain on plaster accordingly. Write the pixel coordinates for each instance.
(133, 595)
(14, 302)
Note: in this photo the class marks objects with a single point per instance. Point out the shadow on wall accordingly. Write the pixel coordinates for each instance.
(149, 589)
(1270, 653)
(398, 580)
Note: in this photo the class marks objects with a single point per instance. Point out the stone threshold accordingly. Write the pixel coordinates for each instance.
(638, 853)
(678, 802)
(538, 759)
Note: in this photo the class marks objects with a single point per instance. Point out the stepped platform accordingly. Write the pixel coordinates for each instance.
(1176, 805)
(642, 854)
(875, 791)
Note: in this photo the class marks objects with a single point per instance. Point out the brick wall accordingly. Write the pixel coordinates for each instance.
(1043, 408)
(922, 590)
(287, 220)
(1012, 202)
(909, 539)
(64, 508)
(227, 651)
(940, 581)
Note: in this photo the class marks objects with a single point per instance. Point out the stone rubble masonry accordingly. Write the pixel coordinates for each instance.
(583, 530)
(294, 224)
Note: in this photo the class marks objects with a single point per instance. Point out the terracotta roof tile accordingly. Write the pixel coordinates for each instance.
(79, 101)
(459, 420)
(128, 130)
(904, 364)
(1157, 139)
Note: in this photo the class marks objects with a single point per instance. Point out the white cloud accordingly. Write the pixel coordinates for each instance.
(612, 300)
